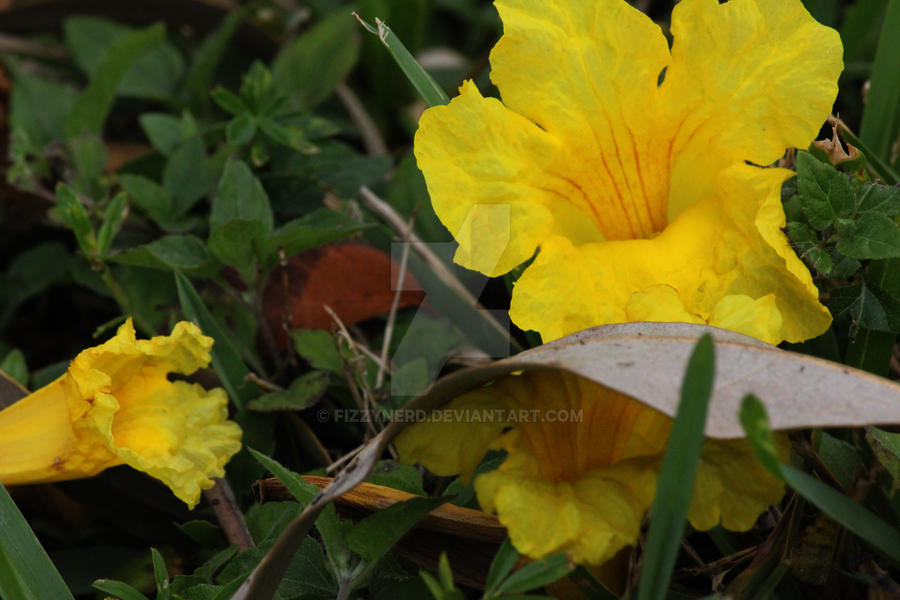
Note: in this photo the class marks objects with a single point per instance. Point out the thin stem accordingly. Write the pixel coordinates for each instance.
(368, 131)
(392, 315)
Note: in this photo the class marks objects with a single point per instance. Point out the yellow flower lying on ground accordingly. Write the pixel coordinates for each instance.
(581, 466)
(116, 406)
(626, 163)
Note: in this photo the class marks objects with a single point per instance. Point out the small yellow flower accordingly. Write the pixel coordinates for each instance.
(581, 466)
(631, 166)
(115, 405)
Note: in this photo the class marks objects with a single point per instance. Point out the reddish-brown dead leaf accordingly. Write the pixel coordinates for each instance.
(356, 281)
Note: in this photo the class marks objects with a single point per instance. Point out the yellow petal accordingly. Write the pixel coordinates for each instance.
(732, 487)
(748, 79)
(116, 405)
(725, 253)
(587, 73)
(590, 518)
(485, 170)
(454, 446)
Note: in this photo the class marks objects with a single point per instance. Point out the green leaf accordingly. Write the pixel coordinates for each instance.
(189, 175)
(14, 365)
(825, 193)
(240, 197)
(292, 137)
(167, 132)
(860, 304)
(149, 195)
(229, 102)
(119, 589)
(881, 116)
(327, 522)
(73, 214)
(676, 478)
(160, 574)
(310, 66)
(886, 447)
(870, 528)
(427, 87)
(31, 272)
(26, 572)
(504, 561)
(92, 106)
(372, 537)
(226, 359)
(884, 199)
(88, 155)
(37, 116)
(319, 350)
(169, 253)
(537, 574)
(872, 235)
(234, 243)
(314, 229)
(879, 166)
(240, 130)
(153, 75)
(112, 222)
(305, 391)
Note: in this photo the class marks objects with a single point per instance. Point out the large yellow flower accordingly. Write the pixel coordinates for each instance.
(631, 166)
(115, 405)
(582, 464)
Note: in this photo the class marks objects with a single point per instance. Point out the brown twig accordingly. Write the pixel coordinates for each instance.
(368, 131)
(221, 497)
(392, 315)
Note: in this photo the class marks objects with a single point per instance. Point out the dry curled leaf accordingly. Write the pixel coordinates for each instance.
(356, 281)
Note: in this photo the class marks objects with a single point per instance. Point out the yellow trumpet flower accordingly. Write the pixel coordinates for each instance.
(581, 466)
(115, 405)
(631, 166)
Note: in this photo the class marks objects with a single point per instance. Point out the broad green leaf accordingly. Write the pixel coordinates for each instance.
(92, 106)
(153, 75)
(311, 65)
(886, 446)
(167, 132)
(189, 175)
(537, 574)
(861, 305)
(38, 110)
(303, 393)
(229, 101)
(240, 197)
(240, 130)
(31, 272)
(26, 572)
(881, 116)
(88, 155)
(319, 350)
(149, 195)
(869, 527)
(234, 243)
(372, 537)
(327, 522)
(314, 229)
(226, 359)
(884, 199)
(825, 192)
(292, 137)
(14, 365)
(676, 478)
(872, 235)
(169, 253)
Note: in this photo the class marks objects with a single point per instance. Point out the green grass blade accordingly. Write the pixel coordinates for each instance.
(676, 478)
(26, 572)
(226, 359)
(427, 87)
(881, 117)
(856, 518)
